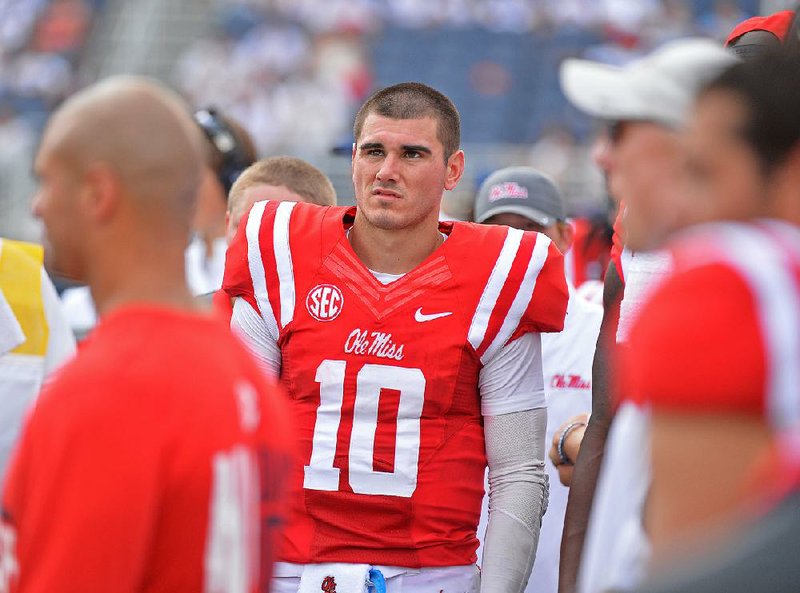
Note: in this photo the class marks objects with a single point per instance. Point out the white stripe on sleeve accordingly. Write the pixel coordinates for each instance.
(256, 264)
(283, 260)
(522, 298)
(497, 279)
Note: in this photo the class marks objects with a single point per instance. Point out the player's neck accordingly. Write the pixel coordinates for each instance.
(393, 251)
(154, 274)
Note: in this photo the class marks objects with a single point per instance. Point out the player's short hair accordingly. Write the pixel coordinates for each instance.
(294, 174)
(414, 100)
(769, 88)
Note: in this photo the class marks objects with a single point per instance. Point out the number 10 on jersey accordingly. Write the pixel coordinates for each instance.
(320, 473)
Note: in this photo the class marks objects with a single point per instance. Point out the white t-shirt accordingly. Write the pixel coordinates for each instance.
(204, 273)
(567, 364)
(616, 550)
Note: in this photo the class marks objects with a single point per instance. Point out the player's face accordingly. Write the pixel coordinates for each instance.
(400, 172)
(726, 180)
(57, 205)
(644, 165)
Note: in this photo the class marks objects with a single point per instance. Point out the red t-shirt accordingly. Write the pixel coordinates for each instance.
(149, 463)
(723, 332)
(384, 378)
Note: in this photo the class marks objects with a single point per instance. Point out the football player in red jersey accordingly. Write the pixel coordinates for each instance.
(729, 317)
(411, 352)
(155, 459)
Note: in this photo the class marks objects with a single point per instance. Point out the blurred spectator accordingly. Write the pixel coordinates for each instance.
(554, 154)
(62, 27)
(40, 45)
(723, 17)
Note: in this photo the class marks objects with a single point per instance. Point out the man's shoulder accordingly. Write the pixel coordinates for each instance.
(738, 245)
(475, 243)
(150, 360)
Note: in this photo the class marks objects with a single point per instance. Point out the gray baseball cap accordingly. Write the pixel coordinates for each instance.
(520, 190)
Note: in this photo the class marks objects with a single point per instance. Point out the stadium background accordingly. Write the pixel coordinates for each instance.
(293, 72)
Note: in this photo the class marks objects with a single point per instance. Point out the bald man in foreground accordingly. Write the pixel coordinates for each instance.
(147, 464)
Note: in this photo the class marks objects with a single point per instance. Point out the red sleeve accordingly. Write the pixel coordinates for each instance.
(548, 305)
(697, 345)
(237, 280)
(221, 306)
(63, 498)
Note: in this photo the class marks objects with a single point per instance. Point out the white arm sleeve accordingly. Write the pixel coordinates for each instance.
(259, 338)
(513, 381)
(518, 491)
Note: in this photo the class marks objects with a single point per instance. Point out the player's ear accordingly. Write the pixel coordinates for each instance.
(455, 169)
(102, 192)
(566, 235)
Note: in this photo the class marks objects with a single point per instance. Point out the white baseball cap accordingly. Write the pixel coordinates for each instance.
(659, 87)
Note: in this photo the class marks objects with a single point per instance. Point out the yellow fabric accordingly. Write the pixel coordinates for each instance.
(21, 283)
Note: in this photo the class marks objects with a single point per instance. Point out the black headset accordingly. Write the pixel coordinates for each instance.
(227, 145)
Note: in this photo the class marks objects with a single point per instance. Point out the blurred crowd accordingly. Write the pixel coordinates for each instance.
(41, 45)
(296, 70)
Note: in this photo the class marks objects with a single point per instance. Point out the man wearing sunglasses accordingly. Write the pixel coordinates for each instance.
(646, 104)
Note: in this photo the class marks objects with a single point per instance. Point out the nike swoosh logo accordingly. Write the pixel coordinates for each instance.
(422, 318)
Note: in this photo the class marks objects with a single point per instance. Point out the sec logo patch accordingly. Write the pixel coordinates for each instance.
(324, 302)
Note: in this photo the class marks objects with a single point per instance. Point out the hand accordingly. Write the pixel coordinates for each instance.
(571, 446)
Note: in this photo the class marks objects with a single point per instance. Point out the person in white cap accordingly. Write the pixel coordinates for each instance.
(646, 103)
(524, 198)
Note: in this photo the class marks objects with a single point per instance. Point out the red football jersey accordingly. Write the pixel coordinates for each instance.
(221, 306)
(723, 332)
(155, 461)
(384, 378)
(618, 244)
